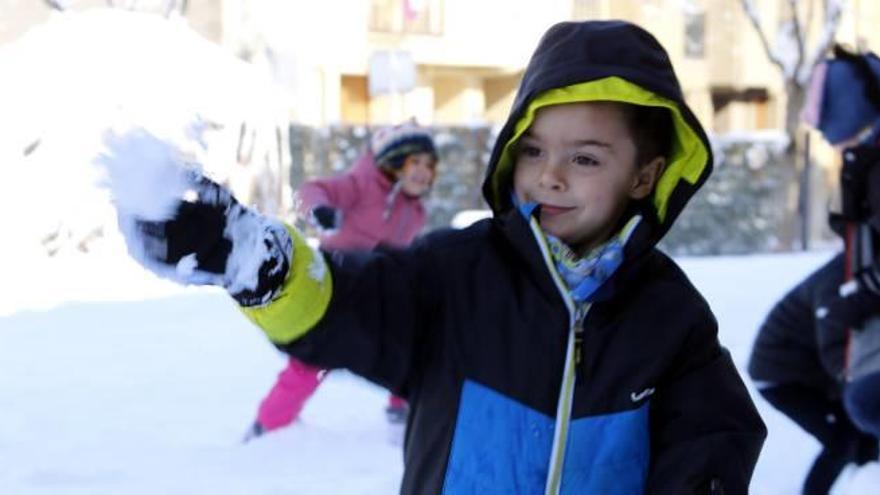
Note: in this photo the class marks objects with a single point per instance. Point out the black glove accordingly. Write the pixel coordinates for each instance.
(214, 240)
(856, 301)
(326, 218)
(197, 228)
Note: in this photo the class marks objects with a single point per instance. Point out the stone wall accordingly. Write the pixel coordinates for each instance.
(746, 206)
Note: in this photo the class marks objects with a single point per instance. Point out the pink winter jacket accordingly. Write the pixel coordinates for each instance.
(373, 211)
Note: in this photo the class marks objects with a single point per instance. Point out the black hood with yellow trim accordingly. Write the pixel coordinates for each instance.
(609, 61)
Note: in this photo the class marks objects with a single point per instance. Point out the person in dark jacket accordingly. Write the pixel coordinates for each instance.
(797, 363)
(799, 358)
(551, 348)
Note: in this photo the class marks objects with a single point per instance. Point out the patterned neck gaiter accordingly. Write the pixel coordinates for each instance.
(584, 275)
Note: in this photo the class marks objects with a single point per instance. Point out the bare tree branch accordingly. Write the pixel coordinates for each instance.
(808, 23)
(826, 39)
(752, 14)
(798, 38)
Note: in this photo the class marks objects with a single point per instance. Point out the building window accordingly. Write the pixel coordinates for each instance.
(694, 34)
(744, 108)
(355, 100)
(407, 16)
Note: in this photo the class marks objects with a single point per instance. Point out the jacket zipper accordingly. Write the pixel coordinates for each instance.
(571, 370)
(581, 315)
(574, 371)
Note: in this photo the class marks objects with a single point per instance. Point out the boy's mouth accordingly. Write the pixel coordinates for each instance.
(554, 210)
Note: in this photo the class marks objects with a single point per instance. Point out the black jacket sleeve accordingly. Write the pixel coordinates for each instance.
(792, 344)
(788, 325)
(707, 433)
(377, 320)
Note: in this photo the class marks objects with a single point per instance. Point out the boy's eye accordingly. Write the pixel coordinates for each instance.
(585, 160)
(529, 150)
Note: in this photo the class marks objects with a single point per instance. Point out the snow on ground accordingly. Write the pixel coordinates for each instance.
(114, 381)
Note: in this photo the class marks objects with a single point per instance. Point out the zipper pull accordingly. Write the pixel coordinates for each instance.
(580, 316)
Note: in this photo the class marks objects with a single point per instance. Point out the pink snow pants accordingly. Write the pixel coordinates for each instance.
(296, 383)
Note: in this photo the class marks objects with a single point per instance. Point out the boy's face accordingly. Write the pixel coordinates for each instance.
(578, 162)
(417, 174)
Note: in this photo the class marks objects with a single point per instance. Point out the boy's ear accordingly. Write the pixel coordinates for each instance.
(646, 176)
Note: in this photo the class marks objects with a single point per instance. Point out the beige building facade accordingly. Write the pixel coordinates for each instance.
(458, 62)
(467, 57)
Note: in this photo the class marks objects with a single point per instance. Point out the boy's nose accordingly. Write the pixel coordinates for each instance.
(551, 176)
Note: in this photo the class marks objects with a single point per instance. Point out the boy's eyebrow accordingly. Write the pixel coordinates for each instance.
(591, 142)
(576, 142)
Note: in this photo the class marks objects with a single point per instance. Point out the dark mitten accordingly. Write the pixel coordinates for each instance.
(214, 240)
(857, 300)
(326, 218)
(196, 229)
(182, 226)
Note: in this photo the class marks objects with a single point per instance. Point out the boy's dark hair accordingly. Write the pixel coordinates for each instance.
(652, 130)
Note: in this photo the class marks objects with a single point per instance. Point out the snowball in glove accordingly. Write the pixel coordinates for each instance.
(185, 227)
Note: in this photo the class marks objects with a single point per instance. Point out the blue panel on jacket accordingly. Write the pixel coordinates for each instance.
(608, 454)
(502, 446)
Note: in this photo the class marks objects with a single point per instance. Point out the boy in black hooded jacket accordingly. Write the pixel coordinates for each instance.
(551, 348)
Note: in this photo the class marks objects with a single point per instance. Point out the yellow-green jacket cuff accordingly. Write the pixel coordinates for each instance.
(303, 299)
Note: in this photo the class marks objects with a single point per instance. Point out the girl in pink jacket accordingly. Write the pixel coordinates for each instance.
(377, 202)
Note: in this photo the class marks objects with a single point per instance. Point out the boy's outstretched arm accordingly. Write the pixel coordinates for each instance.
(374, 321)
(706, 432)
(362, 317)
(182, 226)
